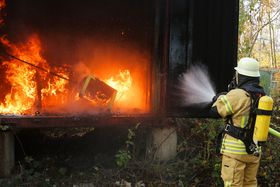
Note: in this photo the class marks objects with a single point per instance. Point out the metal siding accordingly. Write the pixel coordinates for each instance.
(203, 31)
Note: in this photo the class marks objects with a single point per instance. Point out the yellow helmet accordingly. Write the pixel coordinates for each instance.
(248, 67)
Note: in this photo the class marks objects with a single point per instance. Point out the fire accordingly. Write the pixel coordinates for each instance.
(31, 89)
(124, 69)
(56, 84)
(29, 86)
(28, 81)
(122, 83)
(2, 6)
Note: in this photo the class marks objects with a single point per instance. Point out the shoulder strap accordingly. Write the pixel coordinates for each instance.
(253, 110)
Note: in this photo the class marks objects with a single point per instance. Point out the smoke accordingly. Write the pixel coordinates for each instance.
(196, 87)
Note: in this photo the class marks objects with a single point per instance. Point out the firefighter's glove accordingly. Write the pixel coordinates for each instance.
(214, 99)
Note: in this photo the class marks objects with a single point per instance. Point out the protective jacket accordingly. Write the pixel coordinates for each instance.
(236, 104)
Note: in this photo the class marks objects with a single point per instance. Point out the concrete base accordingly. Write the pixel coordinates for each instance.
(7, 153)
(162, 143)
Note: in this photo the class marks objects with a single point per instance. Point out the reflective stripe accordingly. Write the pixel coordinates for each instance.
(227, 184)
(234, 141)
(234, 151)
(244, 121)
(233, 146)
(237, 147)
(242, 125)
(227, 105)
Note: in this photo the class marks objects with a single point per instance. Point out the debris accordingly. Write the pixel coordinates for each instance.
(97, 91)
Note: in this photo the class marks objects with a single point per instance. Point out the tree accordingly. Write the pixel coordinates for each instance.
(257, 22)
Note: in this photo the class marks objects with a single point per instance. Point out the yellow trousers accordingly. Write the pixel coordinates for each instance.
(239, 170)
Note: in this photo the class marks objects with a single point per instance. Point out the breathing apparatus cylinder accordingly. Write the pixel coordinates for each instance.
(263, 116)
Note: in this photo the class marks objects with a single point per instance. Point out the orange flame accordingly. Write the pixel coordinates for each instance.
(27, 89)
(124, 69)
(2, 6)
(31, 87)
(122, 83)
(28, 84)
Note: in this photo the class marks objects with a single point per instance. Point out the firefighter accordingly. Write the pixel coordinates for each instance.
(240, 154)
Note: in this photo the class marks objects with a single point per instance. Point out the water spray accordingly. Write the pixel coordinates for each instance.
(197, 89)
(196, 86)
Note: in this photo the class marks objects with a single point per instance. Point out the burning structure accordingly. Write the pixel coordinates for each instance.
(47, 83)
(137, 49)
(65, 63)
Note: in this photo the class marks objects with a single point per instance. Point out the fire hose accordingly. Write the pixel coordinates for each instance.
(274, 132)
